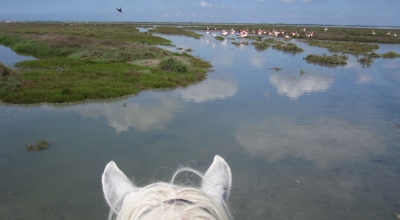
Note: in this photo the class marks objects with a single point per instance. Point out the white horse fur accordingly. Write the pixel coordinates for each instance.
(168, 201)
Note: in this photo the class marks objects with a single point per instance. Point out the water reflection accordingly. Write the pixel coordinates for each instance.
(295, 85)
(364, 78)
(140, 117)
(9, 57)
(209, 90)
(326, 142)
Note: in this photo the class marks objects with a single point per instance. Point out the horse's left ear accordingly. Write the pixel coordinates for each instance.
(116, 186)
(217, 181)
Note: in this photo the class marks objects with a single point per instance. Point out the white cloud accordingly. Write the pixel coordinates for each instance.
(306, 0)
(337, 16)
(204, 4)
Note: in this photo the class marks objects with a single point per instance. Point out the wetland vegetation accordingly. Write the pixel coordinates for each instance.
(290, 48)
(345, 47)
(40, 145)
(79, 61)
(260, 45)
(104, 62)
(334, 60)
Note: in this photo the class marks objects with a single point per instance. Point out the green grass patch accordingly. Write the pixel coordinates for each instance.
(60, 80)
(390, 55)
(345, 47)
(325, 60)
(290, 48)
(175, 31)
(240, 43)
(260, 46)
(220, 38)
(75, 68)
(112, 31)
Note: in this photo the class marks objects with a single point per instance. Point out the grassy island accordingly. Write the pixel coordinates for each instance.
(90, 61)
(290, 48)
(334, 60)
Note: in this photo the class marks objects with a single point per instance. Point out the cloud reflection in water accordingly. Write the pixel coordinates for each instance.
(209, 90)
(294, 85)
(137, 116)
(327, 142)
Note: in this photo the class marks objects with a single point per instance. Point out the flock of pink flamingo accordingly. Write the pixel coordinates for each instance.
(260, 33)
(276, 33)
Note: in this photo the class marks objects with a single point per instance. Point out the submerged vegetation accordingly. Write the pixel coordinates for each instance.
(75, 67)
(334, 60)
(40, 145)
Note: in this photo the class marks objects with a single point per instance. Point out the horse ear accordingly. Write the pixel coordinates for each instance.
(217, 181)
(116, 186)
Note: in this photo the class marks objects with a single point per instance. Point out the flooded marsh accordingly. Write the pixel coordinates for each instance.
(304, 141)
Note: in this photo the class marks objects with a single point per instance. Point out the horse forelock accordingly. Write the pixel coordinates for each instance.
(168, 201)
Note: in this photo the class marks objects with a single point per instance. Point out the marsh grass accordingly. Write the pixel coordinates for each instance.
(10, 79)
(333, 34)
(172, 64)
(220, 38)
(240, 43)
(325, 60)
(290, 48)
(345, 47)
(175, 31)
(390, 55)
(260, 46)
(75, 68)
(115, 31)
(40, 145)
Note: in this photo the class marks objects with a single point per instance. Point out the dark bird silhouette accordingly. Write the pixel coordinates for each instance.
(119, 9)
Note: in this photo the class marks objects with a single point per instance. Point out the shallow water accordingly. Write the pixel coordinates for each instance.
(329, 129)
(9, 57)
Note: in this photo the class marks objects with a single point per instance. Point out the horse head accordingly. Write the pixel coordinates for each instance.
(166, 200)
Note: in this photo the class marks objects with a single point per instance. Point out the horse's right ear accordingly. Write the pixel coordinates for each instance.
(217, 181)
(116, 186)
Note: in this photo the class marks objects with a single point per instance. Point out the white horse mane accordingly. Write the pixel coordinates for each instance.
(168, 201)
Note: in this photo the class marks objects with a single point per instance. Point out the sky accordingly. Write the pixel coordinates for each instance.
(328, 12)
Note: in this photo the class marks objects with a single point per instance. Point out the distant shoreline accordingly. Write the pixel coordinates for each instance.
(207, 23)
